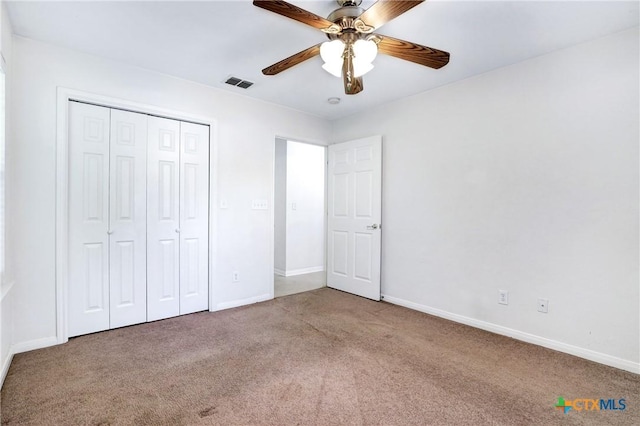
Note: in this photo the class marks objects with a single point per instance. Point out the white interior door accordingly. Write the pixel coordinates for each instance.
(128, 219)
(355, 212)
(88, 298)
(194, 218)
(163, 220)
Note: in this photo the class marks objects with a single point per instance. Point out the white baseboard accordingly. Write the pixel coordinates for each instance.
(34, 344)
(5, 367)
(242, 302)
(6, 362)
(303, 271)
(279, 272)
(598, 357)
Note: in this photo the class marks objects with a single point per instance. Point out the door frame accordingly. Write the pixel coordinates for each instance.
(324, 145)
(64, 96)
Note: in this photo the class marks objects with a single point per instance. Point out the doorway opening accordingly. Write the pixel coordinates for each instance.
(300, 217)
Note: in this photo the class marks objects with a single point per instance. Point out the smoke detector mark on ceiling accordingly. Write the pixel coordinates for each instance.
(238, 82)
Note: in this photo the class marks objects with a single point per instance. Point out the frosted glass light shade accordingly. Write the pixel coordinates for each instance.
(364, 52)
(361, 69)
(331, 53)
(334, 68)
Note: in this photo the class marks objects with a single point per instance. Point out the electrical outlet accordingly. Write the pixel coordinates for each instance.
(503, 297)
(543, 305)
(224, 204)
(235, 276)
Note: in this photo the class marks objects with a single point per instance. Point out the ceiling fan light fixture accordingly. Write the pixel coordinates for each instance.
(354, 45)
(331, 53)
(364, 52)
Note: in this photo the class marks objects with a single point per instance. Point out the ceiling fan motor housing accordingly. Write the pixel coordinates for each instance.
(345, 17)
(343, 3)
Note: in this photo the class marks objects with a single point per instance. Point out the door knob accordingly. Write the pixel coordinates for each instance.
(178, 230)
(109, 232)
(374, 226)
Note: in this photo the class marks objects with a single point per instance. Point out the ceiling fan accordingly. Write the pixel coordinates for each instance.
(353, 44)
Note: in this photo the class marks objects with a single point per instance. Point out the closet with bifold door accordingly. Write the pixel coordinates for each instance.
(138, 230)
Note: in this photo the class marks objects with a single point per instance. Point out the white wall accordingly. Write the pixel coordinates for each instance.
(523, 179)
(246, 131)
(280, 207)
(6, 279)
(305, 208)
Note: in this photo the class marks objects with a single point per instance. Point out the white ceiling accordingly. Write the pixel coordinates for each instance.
(207, 41)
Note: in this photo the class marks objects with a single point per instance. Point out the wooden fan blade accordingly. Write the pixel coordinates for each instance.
(385, 10)
(413, 52)
(294, 12)
(292, 60)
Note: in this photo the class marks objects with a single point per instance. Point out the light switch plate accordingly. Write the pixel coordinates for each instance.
(259, 204)
(503, 297)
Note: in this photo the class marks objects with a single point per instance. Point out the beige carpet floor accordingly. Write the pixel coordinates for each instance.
(316, 358)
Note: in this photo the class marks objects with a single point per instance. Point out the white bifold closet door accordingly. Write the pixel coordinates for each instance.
(194, 218)
(107, 218)
(177, 218)
(127, 218)
(138, 218)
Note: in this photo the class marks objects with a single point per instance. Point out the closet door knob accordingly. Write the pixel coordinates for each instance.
(178, 230)
(109, 232)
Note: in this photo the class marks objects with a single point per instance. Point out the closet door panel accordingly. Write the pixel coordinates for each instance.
(194, 218)
(128, 217)
(88, 298)
(163, 218)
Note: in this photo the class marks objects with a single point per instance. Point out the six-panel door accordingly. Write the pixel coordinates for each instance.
(127, 218)
(355, 211)
(88, 292)
(163, 219)
(194, 217)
